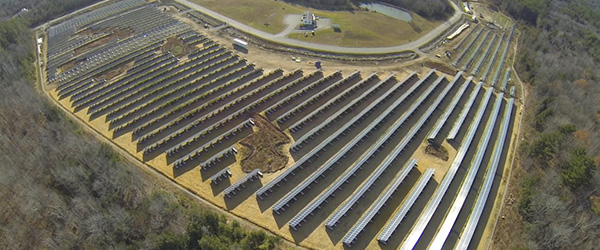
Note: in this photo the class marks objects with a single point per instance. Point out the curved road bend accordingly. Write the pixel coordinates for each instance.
(414, 45)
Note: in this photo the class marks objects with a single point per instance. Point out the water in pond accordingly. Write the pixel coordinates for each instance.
(388, 11)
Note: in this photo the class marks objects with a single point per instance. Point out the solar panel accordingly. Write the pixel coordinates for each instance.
(330, 102)
(423, 220)
(224, 173)
(357, 165)
(298, 189)
(467, 49)
(476, 51)
(284, 116)
(228, 117)
(505, 80)
(332, 221)
(502, 59)
(387, 161)
(301, 80)
(485, 55)
(240, 183)
(467, 233)
(451, 107)
(391, 226)
(463, 114)
(488, 69)
(465, 188)
(348, 240)
(352, 143)
(301, 91)
(263, 190)
(246, 124)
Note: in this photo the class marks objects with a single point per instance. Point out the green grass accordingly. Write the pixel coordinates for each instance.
(255, 13)
(367, 29)
(177, 50)
(502, 20)
(359, 28)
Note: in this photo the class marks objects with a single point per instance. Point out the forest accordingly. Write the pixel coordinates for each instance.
(435, 9)
(61, 188)
(558, 58)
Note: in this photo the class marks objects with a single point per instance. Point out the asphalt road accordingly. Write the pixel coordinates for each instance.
(414, 45)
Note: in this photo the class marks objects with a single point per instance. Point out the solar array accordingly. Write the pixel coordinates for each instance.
(285, 118)
(505, 80)
(465, 188)
(503, 57)
(473, 220)
(476, 52)
(462, 55)
(484, 56)
(432, 205)
(490, 65)
(231, 190)
(450, 109)
(395, 221)
(458, 124)
(350, 130)
(372, 211)
(333, 220)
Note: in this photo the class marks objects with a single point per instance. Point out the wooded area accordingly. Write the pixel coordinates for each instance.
(436, 9)
(558, 58)
(60, 188)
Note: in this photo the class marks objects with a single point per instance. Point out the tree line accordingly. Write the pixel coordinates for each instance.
(558, 57)
(60, 188)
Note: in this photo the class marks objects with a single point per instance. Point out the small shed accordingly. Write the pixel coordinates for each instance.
(308, 18)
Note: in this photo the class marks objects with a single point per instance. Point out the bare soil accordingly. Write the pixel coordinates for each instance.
(115, 32)
(266, 148)
(109, 75)
(177, 47)
(440, 67)
(437, 151)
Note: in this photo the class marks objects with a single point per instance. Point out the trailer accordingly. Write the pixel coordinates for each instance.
(241, 43)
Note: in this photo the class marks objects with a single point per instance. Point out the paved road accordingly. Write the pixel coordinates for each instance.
(414, 45)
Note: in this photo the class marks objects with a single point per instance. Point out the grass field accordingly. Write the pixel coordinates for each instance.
(358, 28)
(368, 29)
(255, 12)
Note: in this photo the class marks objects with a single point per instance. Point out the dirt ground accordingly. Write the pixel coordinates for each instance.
(109, 75)
(264, 148)
(115, 32)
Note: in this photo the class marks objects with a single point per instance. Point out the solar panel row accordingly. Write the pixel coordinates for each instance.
(469, 229)
(230, 191)
(459, 200)
(393, 224)
(449, 109)
(432, 205)
(463, 114)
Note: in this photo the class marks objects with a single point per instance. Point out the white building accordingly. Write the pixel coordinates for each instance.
(308, 18)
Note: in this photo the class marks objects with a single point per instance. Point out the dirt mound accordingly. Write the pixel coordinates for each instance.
(265, 148)
(437, 151)
(440, 67)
